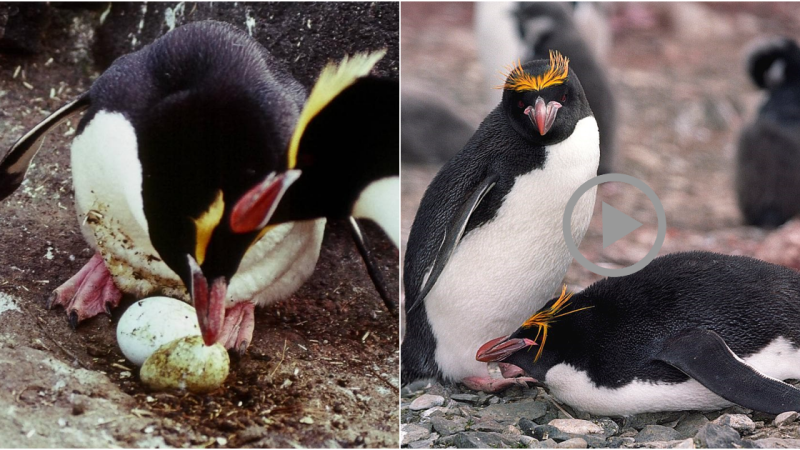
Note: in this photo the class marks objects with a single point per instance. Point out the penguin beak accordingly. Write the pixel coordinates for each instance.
(501, 348)
(209, 304)
(253, 211)
(543, 116)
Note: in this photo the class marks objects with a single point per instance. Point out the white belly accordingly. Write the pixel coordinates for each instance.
(779, 360)
(505, 270)
(107, 177)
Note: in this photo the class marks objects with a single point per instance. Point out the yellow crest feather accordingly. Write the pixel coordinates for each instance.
(516, 79)
(331, 82)
(205, 225)
(544, 318)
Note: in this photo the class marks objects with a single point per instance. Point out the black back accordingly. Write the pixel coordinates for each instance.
(768, 157)
(747, 302)
(212, 111)
(496, 149)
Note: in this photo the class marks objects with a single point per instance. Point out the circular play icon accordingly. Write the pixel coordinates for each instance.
(616, 224)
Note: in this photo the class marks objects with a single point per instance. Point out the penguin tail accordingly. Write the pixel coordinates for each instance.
(773, 62)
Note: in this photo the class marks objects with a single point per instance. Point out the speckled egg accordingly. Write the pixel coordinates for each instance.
(186, 363)
(152, 322)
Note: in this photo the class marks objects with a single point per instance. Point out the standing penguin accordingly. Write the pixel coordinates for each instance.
(768, 158)
(690, 331)
(202, 171)
(487, 244)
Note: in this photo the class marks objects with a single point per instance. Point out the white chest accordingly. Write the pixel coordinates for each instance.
(505, 270)
(779, 360)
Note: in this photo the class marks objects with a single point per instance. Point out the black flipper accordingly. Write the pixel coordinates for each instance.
(372, 268)
(453, 235)
(704, 356)
(16, 162)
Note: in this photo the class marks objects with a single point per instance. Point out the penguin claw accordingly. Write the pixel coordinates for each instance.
(73, 319)
(241, 349)
(51, 300)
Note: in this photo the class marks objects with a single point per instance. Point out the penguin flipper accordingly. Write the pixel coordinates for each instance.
(16, 162)
(453, 234)
(704, 356)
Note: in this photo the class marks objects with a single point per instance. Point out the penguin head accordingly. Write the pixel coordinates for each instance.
(774, 62)
(543, 100)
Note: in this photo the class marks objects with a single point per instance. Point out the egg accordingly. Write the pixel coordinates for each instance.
(152, 322)
(186, 363)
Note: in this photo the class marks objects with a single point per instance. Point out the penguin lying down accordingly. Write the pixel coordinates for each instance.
(203, 170)
(691, 331)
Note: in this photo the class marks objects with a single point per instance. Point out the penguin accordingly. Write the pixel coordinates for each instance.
(768, 154)
(202, 170)
(551, 25)
(690, 331)
(487, 245)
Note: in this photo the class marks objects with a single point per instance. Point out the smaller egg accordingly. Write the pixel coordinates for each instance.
(186, 363)
(152, 322)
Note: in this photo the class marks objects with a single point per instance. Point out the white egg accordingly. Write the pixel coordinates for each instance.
(152, 322)
(186, 363)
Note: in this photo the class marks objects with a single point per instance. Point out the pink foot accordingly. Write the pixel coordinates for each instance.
(88, 293)
(495, 385)
(237, 331)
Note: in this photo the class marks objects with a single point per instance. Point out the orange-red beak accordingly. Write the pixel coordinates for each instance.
(501, 348)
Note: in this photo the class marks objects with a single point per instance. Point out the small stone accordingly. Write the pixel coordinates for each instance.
(653, 433)
(426, 401)
(718, 436)
(512, 412)
(511, 430)
(528, 442)
(544, 432)
(411, 432)
(482, 440)
(488, 425)
(739, 422)
(786, 418)
(576, 426)
(427, 443)
(573, 443)
(686, 443)
(527, 426)
(618, 442)
(610, 428)
(434, 412)
(640, 421)
(307, 420)
(446, 427)
(691, 424)
(472, 398)
(250, 434)
(777, 443)
(548, 443)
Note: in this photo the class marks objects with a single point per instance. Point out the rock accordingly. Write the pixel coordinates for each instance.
(610, 428)
(686, 443)
(529, 442)
(573, 443)
(618, 442)
(543, 432)
(739, 422)
(718, 436)
(427, 443)
(446, 427)
(426, 401)
(652, 433)
(489, 425)
(786, 418)
(472, 398)
(512, 412)
(434, 412)
(483, 440)
(777, 443)
(576, 426)
(410, 432)
(691, 424)
(548, 443)
(639, 421)
(511, 430)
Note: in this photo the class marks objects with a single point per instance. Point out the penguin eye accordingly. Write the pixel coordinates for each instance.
(520, 104)
(563, 98)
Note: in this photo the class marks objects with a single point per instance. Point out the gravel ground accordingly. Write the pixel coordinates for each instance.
(322, 368)
(678, 75)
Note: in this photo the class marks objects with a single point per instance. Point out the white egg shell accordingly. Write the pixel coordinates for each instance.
(152, 322)
(186, 363)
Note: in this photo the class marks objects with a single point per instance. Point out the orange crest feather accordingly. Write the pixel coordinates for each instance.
(516, 79)
(544, 318)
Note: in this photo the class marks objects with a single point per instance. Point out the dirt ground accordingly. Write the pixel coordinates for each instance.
(322, 370)
(677, 71)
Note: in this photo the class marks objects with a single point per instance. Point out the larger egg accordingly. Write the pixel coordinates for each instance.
(152, 322)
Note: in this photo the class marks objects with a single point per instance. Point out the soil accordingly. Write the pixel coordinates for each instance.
(322, 370)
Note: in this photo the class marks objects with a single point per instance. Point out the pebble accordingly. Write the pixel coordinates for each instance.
(512, 412)
(480, 439)
(652, 433)
(488, 425)
(411, 432)
(573, 443)
(576, 426)
(465, 397)
(777, 443)
(718, 436)
(426, 401)
(739, 422)
(435, 411)
(786, 418)
(447, 427)
(691, 424)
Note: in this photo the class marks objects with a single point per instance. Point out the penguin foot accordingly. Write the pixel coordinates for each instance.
(88, 293)
(495, 385)
(237, 330)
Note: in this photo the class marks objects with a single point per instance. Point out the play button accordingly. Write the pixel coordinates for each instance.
(616, 225)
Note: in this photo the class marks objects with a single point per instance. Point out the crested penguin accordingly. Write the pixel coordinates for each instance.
(487, 244)
(202, 170)
(690, 331)
(768, 156)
